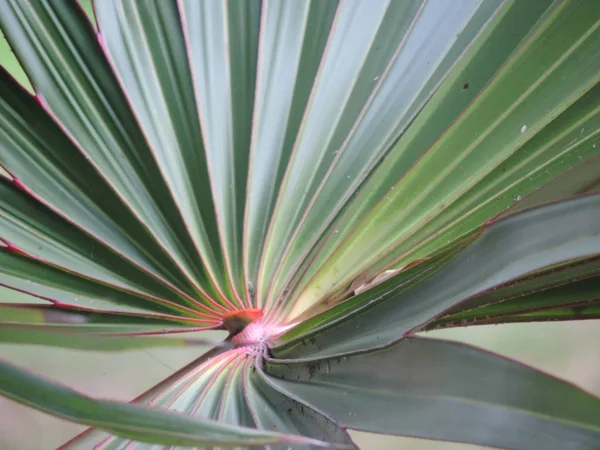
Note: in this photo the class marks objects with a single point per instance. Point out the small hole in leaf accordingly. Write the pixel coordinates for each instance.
(466, 86)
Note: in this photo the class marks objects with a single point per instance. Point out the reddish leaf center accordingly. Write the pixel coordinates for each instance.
(236, 321)
(248, 327)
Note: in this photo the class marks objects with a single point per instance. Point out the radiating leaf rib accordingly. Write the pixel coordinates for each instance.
(131, 421)
(476, 159)
(571, 301)
(65, 289)
(238, 396)
(92, 320)
(588, 310)
(273, 410)
(77, 338)
(47, 163)
(233, 407)
(206, 402)
(580, 179)
(222, 45)
(399, 282)
(508, 249)
(528, 93)
(74, 82)
(94, 437)
(197, 392)
(401, 70)
(11, 64)
(47, 166)
(562, 144)
(43, 236)
(292, 41)
(552, 277)
(352, 38)
(86, 330)
(444, 390)
(144, 41)
(476, 66)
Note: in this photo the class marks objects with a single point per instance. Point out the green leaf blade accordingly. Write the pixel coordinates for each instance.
(144, 42)
(521, 244)
(438, 389)
(527, 93)
(298, 44)
(74, 82)
(222, 46)
(572, 287)
(395, 78)
(85, 330)
(132, 421)
(225, 386)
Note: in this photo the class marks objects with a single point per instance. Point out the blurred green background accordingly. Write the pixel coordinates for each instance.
(567, 350)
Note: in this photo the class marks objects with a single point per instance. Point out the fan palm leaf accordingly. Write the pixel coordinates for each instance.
(323, 180)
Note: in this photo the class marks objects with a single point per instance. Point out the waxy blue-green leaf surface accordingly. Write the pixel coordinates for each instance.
(507, 249)
(341, 173)
(128, 420)
(443, 390)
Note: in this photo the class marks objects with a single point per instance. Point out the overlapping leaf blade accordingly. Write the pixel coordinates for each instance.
(74, 82)
(226, 387)
(526, 94)
(572, 301)
(292, 41)
(588, 310)
(47, 164)
(574, 286)
(443, 390)
(398, 282)
(386, 81)
(132, 421)
(145, 43)
(65, 289)
(53, 326)
(195, 157)
(507, 250)
(273, 410)
(222, 42)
